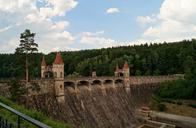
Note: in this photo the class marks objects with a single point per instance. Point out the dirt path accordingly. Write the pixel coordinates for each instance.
(183, 121)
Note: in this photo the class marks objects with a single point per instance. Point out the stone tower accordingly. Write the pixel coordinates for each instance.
(126, 74)
(126, 69)
(43, 67)
(116, 72)
(94, 74)
(58, 72)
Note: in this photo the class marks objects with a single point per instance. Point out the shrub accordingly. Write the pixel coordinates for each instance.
(179, 89)
(32, 113)
(161, 107)
(192, 105)
(156, 104)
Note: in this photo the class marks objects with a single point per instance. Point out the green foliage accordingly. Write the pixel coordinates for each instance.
(184, 88)
(17, 90)
(156, 104)
(32, 113)
(180, 89)
(192, 105)
(27, 47)
(161, 107)
(27, 44)
(75, 74)
(153, 59)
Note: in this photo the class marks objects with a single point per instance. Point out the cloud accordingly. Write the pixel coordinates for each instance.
(5, 29)
(61, 25)
(59, 43)
(57, 7)
(112, 10)
(97, 40)
(177, 21)
(9, 44)
(51, 35)
(16, 5)
(142, 20)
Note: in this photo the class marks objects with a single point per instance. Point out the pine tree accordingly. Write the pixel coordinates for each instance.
(27, 46)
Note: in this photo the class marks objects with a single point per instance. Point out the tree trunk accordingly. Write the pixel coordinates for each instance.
(27, 71)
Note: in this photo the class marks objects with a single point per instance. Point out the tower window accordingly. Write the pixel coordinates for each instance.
(55, 74)
(61, 74)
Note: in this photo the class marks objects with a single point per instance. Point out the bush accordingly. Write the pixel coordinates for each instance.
(192, 105)
(161, 107)
(156, 104)
(179, 89)
(32, 113)
(17, 90)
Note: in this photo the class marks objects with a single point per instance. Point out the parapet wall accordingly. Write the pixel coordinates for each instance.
(138, 80)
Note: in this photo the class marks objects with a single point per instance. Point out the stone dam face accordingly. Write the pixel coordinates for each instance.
(110, 106)
(98, 108)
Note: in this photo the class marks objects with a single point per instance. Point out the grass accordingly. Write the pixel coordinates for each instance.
(174, 106)
(32, 113)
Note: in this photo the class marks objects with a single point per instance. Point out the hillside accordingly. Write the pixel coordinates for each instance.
(153, 59)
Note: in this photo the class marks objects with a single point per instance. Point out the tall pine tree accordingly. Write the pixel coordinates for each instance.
(27, 46)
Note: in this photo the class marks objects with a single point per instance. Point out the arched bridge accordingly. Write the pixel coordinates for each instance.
(89, 82)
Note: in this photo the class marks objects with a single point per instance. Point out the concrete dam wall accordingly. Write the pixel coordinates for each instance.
(102, 102)
(98, 108)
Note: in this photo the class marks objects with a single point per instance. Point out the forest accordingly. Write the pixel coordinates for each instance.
(145, 59)
(183, 88)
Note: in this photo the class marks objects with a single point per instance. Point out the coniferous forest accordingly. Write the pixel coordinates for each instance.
(146, 59)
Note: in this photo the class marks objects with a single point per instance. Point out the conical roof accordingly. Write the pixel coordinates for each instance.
(43, 61)
(58, 59)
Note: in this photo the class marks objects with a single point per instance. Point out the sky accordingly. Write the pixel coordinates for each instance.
(68, 25)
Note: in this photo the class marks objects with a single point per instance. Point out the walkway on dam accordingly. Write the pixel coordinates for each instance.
(177, 119)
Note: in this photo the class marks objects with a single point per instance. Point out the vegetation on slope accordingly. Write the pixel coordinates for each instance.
(32, 113)
(181, 89)
(153, 59)
(176, 92)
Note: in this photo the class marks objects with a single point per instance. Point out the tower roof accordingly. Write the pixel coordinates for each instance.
(43, 61)
(126, 66)
(58, 59)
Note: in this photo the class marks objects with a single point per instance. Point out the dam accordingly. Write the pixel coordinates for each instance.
(94, 101)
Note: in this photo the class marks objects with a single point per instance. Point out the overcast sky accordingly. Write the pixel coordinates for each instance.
(88, 24)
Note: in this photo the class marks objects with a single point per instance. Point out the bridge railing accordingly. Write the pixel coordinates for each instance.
(5, 124)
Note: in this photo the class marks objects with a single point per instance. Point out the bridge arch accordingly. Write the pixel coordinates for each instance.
(69, 84)
(97, 82)
(119, 82)
(108, 82)
(83, 83)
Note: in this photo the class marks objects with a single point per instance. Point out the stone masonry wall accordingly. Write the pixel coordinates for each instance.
(108, 107)
(98, 108)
